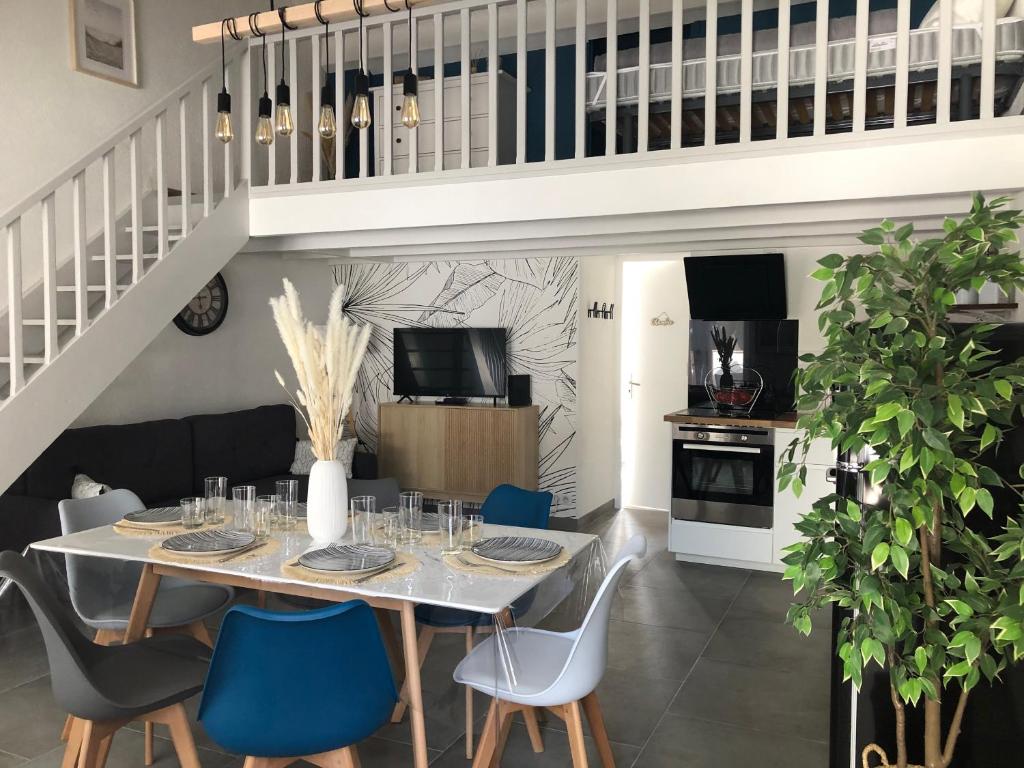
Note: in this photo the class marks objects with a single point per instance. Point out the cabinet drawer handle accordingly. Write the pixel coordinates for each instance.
(831, 475)
(398, 140)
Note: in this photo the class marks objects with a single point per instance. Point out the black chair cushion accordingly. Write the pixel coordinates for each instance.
(243, 446)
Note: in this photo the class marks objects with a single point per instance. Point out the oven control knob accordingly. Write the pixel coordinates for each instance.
(701, 436)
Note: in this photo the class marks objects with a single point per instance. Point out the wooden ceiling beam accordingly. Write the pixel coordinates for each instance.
(334, 11)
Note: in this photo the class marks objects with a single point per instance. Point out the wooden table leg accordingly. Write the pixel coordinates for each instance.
(394, 648)
(413, 686)
(145, 595)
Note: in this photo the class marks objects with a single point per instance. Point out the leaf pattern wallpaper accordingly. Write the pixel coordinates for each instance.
(535, 300)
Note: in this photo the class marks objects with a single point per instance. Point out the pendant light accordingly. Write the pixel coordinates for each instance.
(264, 126)
(283, 116)
(327, 125)
(224, 132)
(361, 118)
(410, 85)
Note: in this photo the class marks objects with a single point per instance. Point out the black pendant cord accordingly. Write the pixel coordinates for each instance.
(282, 14)
(227, 24)
(327, 38)
(254, 28)
(411, 52)
(357, 5)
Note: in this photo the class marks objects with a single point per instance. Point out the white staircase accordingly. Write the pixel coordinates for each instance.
(100, 259)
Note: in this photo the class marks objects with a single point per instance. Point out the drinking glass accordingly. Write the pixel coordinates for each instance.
(287, 502)
(193, 512)
(363, 508)
(449, 522)
(263, 515)
(216, 495)
(410, 509)
(472, 529)
(243, 496)
(390, 528)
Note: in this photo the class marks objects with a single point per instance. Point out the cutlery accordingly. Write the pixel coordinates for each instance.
(471, 564)
(241, 552)
(131, 526)
(385, 569)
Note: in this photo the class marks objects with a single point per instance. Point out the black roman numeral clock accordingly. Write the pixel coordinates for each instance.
(206, 311)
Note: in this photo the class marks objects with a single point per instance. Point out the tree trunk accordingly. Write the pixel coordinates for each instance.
(930, 543)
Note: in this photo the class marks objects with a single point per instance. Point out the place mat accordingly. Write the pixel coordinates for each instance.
(128, 529)
(159, 553)
(483, 567)
(409, 565)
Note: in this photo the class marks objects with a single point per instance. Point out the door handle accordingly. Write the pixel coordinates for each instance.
(720, 448)
(630, 384)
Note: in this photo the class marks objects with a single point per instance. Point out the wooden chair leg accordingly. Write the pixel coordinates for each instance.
(268, 762)
(488, 738)
(422, 646)
(504, 728)
(261, 599)
(175, 718)
(90, 745)
(469, 701)
(198, 630)
(147, 738)
(74, 746)
(346, 757)
(533, 728)
(101, 756)
(597, 729)
(65, 732)
(574, 725)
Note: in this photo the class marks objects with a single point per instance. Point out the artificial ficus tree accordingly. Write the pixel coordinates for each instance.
(935, 601)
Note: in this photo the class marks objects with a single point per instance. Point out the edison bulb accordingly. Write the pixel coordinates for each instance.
(283, 120)
(361, 112)
(264, 131)
(411, 111)
(327, 125)
(224, 131)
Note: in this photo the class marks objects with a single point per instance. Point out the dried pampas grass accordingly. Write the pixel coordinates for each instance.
(326, 360)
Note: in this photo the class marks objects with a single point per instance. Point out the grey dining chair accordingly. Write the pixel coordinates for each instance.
(107, 686)
(386, 490)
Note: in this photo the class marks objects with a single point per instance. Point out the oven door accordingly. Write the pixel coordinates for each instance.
(722, 483)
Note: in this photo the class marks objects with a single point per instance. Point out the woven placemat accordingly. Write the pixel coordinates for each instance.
(268, 548)
(128, 529)
(409, 565)
(483, 567)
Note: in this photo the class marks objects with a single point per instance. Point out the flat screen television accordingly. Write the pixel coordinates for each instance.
(746, 287)
(450, 362)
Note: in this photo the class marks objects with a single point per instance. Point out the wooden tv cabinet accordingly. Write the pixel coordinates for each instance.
(458, 451)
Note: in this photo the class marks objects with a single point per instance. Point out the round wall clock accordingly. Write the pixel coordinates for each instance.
(206, 311)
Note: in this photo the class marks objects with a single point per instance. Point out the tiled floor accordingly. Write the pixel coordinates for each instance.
(702, 671)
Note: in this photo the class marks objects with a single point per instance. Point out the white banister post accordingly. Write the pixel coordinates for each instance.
(339, 110)
(711, 73)
(314, 46)
(15, 338)
(860, 66)
(464, 87)
(229, 170)
(49, 232)
(207, 134)
(746, 67)
(293, 140)
(80, 253)
(492, 84)
(244, 132)
(272, 81)
(549, 80)
(186, 184)
(520, 82)
(161, 185)
(782, 95)
(364, 142)
(611, 80)
(643, 118)
(942, 90)
(136, 203)
(902, 64)
(387, 119)
(580, 105)
(677, 75)
(109, 230)
(439, 92)
(414, 134)
(821, 67)
(988, 61)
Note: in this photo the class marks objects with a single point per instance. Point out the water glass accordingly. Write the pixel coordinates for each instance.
(363, 508)
(287, 503)
(244, 497)
(193, 512)
(390, 527)
(263, 516)
(216, 499)
(410, 510)
(449, 523)
(472, 529)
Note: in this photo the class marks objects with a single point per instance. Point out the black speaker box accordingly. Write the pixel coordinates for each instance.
(519, 391)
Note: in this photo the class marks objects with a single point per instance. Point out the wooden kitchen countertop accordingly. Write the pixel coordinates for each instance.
(782, 421)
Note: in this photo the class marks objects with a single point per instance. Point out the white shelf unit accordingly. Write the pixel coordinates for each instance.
(452, 119)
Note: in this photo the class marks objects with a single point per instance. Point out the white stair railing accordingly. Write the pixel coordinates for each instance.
(84, 238)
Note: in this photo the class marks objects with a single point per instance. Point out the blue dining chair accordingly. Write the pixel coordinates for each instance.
(505, 505)
(274, 705)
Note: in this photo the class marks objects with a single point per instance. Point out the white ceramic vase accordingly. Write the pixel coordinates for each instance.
(327, 501)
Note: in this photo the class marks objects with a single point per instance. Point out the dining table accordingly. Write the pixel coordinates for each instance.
(434, 582)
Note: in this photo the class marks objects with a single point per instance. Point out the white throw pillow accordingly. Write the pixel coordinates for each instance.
(84, 487)
(966, 12)
(304, 458)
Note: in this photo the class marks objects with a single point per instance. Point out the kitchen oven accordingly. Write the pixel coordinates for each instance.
(723, 475)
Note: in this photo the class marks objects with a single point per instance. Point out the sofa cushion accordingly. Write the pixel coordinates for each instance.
(24, 519)
(153, 459)
(244, 445)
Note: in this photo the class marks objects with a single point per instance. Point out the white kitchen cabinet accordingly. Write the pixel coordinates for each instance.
(788, 508)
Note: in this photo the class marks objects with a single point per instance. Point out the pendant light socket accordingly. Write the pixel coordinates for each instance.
(224, 102)
(410, 84)
(327, 95)
(265, 106)
(283, 94)
(362, 84)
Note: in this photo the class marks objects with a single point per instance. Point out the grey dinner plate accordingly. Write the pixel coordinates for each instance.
(348, 558)
(521, 550)
(156, 516)
(209, 542)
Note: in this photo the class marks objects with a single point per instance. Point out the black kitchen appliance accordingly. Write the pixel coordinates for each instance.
(744, 287)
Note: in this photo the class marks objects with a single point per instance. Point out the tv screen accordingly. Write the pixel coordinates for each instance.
(748, 287)
(450, 362)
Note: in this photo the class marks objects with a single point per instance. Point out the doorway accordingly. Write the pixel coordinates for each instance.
(653, 374)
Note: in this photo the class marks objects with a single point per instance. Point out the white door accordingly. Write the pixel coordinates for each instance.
(653, 376)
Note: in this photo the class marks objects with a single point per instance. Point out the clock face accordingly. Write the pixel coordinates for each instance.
(206, 311)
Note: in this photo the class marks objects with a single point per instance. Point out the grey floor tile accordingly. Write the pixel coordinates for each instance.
(15, 615)
(519, 753)
(754, 697)
(681, 609)
(30, 721)
(665, 572)
(24, 657)
(646, 651)
(127, 752)
(10, 761)
(765, 595)
(770, 644)
(678, 742)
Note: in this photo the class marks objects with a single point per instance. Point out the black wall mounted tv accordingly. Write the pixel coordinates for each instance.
(450, 362)
(746, 287)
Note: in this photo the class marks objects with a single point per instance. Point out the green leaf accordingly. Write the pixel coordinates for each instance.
(900, 561)
(824, 273)
(967, 499)
(955, 409)
(879, 473)
(905, 421)
(882, 318)
(1004, 388)
(958, 670)
(904, 531)
(907, 460)
(983, 498)
(988, 436)
(921, 659)
(879, 555)
(962, 609)
(832, 261)
(887, 411)
(926, 461)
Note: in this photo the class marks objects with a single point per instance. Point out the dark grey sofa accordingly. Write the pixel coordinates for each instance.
(160, 461)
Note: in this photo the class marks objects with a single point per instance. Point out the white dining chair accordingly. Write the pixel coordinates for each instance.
(557, 671)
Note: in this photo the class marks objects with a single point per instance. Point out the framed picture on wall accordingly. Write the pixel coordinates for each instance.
(103, 39)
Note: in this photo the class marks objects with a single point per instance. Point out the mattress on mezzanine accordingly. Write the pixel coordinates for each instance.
(924, 55)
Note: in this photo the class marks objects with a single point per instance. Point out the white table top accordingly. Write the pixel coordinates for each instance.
(433, 583)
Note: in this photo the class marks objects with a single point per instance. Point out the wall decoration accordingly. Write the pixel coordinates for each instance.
(662, 320)
(535, 299)
(207, 309)
(103, 39)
